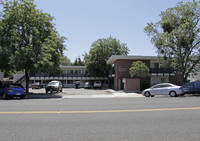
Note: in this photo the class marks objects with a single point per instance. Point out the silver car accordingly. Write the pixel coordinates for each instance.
(54, 86)
(97, 84)
(163, 89)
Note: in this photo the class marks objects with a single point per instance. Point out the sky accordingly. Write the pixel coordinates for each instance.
(82, 22)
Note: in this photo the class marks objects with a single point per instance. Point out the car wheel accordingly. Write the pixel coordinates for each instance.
(172, 94)
(61, 90)
(147, 94)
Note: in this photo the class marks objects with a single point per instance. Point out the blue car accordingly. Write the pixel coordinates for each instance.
(192, 87)
(12, 90)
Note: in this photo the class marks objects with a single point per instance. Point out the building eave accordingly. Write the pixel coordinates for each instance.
(114, 58)
(73, 67)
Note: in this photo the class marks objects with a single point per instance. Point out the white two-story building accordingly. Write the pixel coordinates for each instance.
(68, 75)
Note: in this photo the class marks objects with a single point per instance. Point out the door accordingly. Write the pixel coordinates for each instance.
(156, 90)
(197, 87)
(166, 89)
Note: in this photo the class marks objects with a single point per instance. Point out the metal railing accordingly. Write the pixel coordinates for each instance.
(161, 70)
(152, 70)
(58, 75)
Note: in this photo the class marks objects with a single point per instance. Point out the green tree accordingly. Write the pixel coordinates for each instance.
(139, 69)
(100, 52)
(78, 62)
(65, 61)
(177, 37)
(29, 40)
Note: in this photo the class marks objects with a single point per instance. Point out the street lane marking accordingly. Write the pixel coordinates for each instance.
(99, 111)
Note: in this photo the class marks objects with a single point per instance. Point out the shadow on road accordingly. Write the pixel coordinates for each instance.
(42, 96)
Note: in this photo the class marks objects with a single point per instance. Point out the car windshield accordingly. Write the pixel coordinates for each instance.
(36, 83)
(15, 86)
(52, 83)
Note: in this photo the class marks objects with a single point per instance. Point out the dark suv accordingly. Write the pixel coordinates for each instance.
(54, 86)
(192, 87)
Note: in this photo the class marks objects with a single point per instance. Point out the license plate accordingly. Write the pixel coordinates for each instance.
(18, 94)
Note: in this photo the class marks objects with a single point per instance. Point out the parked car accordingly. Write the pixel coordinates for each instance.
(12, 90)
(97, 84)
(54, 86)
(163, 89)
(36, 85)
(87, 85)
(192, 87)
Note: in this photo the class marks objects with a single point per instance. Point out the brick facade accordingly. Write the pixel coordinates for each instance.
(122, 71)
(132, 84)
(123, 63)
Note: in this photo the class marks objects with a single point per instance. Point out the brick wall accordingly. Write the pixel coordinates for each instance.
(132, 84)
(122, 71)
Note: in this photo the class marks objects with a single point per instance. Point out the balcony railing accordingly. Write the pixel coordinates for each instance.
(58, 75)
(152, 70)
(161, 70)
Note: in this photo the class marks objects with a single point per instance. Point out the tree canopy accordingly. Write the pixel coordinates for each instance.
(177, 37)
(139, 69)
(65, 61)
(29, 40)
(100, 51)
(78, 62)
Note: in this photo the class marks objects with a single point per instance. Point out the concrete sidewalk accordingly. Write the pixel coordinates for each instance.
(112, 94)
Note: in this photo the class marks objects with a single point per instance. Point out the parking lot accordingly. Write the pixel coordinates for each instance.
(73, 91)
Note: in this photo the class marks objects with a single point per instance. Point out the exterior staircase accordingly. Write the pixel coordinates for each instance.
(21, 80)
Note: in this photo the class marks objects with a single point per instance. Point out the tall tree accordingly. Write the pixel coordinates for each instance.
(100, 52)
(29, 40)
(177, 37)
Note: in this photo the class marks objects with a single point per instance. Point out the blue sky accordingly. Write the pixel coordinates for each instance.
(85, 21)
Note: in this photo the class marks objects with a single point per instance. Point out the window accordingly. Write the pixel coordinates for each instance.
(189, 85)
(15, 86)
(163, 80)
(197, 84)
(154, 65)
(77, 71)
(69, 81)
(165, 86)
(158, 86)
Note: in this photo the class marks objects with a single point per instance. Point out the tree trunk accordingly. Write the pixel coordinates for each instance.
(27, 81)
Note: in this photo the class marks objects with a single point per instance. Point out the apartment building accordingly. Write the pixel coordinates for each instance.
(122, 80)
(68, 75)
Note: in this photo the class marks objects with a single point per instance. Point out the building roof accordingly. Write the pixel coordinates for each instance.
(73, 67)
(113, 58)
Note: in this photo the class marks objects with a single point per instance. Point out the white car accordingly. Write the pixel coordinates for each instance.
(97, 84)
(163, 89)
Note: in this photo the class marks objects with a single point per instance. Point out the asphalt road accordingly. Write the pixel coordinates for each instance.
(160, 118)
